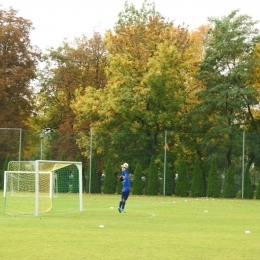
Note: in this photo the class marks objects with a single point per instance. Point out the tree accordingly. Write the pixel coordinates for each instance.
(258, 190)
(138, 186)
(226, 101)
(47, 155)
(197, 184)
(253, 128)
(95, 179)
(149, 64)
(63, 176)
(5, 168)
(169, 182)
(18, 65)
(110, 180)
(182, 183)
(75, 179)
(9, 144)
(64, 141)
(189, 136)
(17, 69)
(75, 176)
(119, 186)
(72, 66)
(248, 188)
(153, 179)
(214, 184)
(229, 184)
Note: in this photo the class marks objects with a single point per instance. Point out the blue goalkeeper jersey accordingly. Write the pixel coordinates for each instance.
(126, 182)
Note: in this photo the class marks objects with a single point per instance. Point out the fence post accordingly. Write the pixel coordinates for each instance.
(164, 170)
(90, 164)
(243, 164)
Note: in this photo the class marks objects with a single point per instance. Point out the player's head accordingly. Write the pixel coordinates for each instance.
(125, 165)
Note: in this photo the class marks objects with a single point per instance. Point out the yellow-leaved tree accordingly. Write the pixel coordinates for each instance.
(151, 64)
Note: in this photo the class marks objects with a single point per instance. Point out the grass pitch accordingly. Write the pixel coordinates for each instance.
(152, 228)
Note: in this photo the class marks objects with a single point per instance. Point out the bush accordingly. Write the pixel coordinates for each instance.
(138, 186)
(258, 190)
(214, 184)
(109, 181)
(182, 183)
(248, 189)
(229, 184)
(153, 180)
(197, 183)
(119, 186)
(169, 183)
(95, 179)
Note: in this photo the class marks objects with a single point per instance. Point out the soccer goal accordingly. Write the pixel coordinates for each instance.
(34, 187)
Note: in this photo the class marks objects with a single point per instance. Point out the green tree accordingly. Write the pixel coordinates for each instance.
(214, 182)
(47, 155)
(197, 183)
(75, 176)
(75, 179)
(7, 160)
(119, 186)
(146, 181)
(110, 180)
(258, 190)
(63, 177)
(169, 182)
(228, 96)
(182, 183)
(138, 185)
(95, 179)
(229, 184)
(153, 179)
(248, 188)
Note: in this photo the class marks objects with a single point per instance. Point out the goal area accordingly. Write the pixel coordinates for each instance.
(35, 187)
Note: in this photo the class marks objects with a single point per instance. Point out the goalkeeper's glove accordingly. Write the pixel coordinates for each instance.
(121, 178)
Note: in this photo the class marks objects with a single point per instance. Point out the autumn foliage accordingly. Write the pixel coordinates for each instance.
(126, 88)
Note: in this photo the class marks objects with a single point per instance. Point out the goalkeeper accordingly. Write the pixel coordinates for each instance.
(125, 188)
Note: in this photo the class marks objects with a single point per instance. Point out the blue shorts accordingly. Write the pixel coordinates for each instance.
(125, 194)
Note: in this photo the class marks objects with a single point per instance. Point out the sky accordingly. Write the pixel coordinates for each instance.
(55, 20)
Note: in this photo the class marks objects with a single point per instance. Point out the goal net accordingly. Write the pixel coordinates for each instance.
(34, 187)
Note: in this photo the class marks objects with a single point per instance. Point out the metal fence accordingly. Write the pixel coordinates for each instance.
(167, 147)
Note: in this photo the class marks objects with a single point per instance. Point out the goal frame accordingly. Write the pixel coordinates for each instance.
(37, 171)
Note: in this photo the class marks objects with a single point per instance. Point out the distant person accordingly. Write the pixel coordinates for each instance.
(125, 188)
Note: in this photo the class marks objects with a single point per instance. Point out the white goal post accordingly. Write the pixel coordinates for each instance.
(31, 186)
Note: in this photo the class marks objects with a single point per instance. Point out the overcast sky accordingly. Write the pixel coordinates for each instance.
(55, 20)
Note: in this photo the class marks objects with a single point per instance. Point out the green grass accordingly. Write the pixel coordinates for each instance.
(153, 228)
